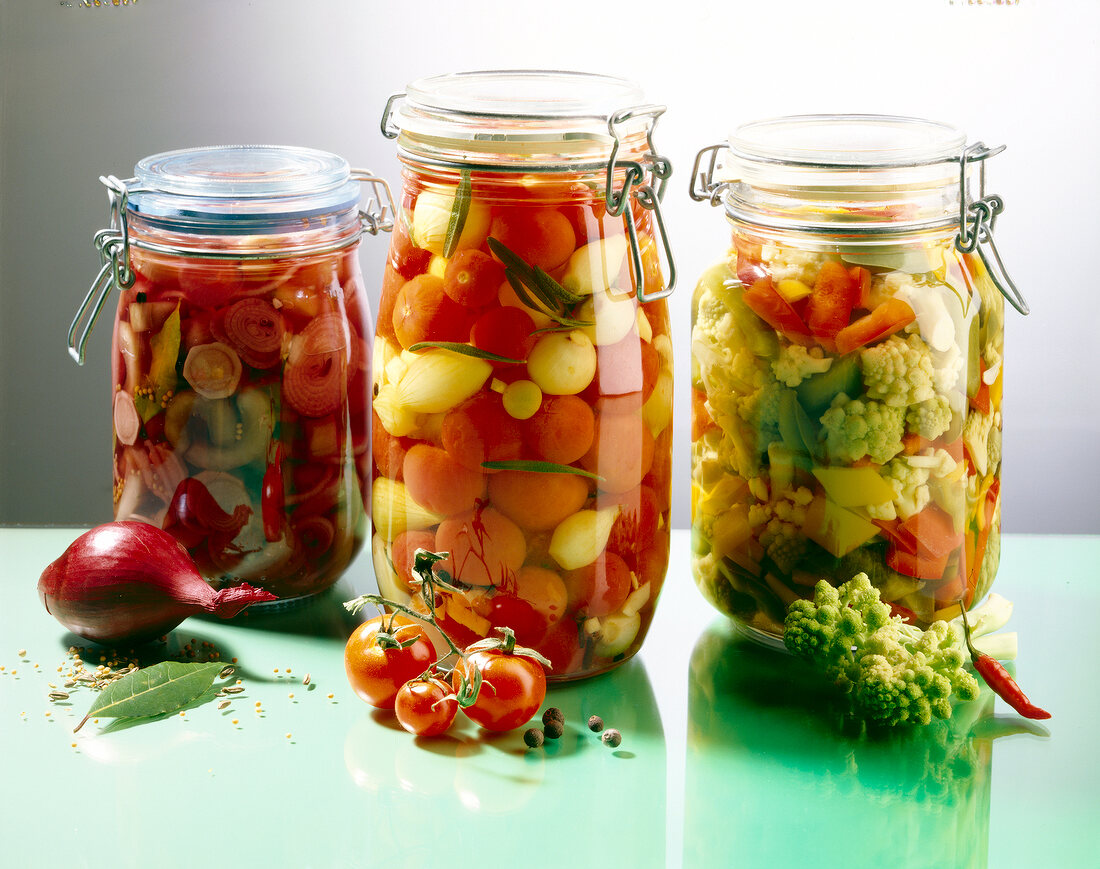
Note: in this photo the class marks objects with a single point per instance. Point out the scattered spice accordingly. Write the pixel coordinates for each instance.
(612, 738)
(533, 738)
(223, 704)
(305, 681)
(553, 714)
(595, 723)
(553, 729)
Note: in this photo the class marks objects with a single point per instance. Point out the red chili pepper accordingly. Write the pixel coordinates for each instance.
(999, 679)
(272, 499)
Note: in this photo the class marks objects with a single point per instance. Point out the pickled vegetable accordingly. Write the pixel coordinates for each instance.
(840, 425)
(255, 455)
(526, 442)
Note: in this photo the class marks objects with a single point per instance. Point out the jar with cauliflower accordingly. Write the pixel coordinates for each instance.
(846, 375)
(523, 368)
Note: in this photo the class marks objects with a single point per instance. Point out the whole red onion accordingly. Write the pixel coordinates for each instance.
(129, 581)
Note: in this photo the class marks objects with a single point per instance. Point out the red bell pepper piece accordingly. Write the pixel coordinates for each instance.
(764, 300)
(272, 498)
(862, 279)
(931, 532)
(886, 319)
(916, 564)
(829, 307)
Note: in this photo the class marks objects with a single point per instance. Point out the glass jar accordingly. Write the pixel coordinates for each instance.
(847, 369)
(241, 362)
(523, 363)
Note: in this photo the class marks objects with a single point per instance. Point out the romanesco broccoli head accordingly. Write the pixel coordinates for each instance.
(855, 428)
(898, 371)
(930, 418)
(894, 673)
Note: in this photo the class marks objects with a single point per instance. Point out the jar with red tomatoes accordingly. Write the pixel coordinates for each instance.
(523, 363)
(241, 360)
(847, 369)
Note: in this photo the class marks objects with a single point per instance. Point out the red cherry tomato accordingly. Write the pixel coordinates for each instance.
(376, 665)
(512, 688)
(426, 707)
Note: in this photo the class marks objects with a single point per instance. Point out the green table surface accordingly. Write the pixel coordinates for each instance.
(730, 754)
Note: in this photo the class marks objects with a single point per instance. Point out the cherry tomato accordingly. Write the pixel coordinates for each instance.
(512, 688)
(426, 707)
(376, 667)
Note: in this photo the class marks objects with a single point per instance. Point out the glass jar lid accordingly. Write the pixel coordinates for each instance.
(241, 188)
(859, 173)
(498, 118)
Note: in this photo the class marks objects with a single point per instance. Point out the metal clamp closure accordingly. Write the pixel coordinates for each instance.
(702, 186)
(113, 245)
(377, 214)
(648, 194)
(976, 220)
(391, 130)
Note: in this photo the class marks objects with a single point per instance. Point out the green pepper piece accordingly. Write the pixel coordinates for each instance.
(816, 393)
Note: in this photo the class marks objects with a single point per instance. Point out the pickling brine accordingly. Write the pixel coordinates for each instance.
(846, 398)
(241, 366)
(522, 406)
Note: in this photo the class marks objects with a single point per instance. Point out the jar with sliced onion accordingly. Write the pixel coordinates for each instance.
(241, 360)
(523, 363)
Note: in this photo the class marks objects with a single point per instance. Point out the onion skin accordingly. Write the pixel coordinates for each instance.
(132, 582)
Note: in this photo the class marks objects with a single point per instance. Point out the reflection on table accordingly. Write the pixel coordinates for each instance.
(776, 776)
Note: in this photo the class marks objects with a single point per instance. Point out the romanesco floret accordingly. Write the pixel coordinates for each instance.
(892, 672)
(795, 363)
(930, 418)
(855, 428)
(898, 371)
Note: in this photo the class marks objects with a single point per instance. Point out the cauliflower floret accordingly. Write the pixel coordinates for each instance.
(898, 371)
(790, 263)
(976, 436)
(778, 525)
(855, 428)
(993, 445)
(795, 363)
(930, 418)
(910, 483)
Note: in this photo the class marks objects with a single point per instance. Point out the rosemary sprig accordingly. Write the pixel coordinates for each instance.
(537, 467)
(556, 300)
(465, 350)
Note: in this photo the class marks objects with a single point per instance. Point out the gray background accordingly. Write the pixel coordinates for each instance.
(88, 90)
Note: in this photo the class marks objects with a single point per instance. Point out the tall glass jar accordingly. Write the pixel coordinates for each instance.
(523, 363)
(847, 369)
(241, 362)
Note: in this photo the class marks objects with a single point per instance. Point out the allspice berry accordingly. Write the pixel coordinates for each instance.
(595, 724)
(612, 738)
(553, 714)
(553, 729)
(532, 737)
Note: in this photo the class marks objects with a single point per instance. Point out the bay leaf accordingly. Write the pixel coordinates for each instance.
(165, 346)
(164, 687)
(460, 209)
